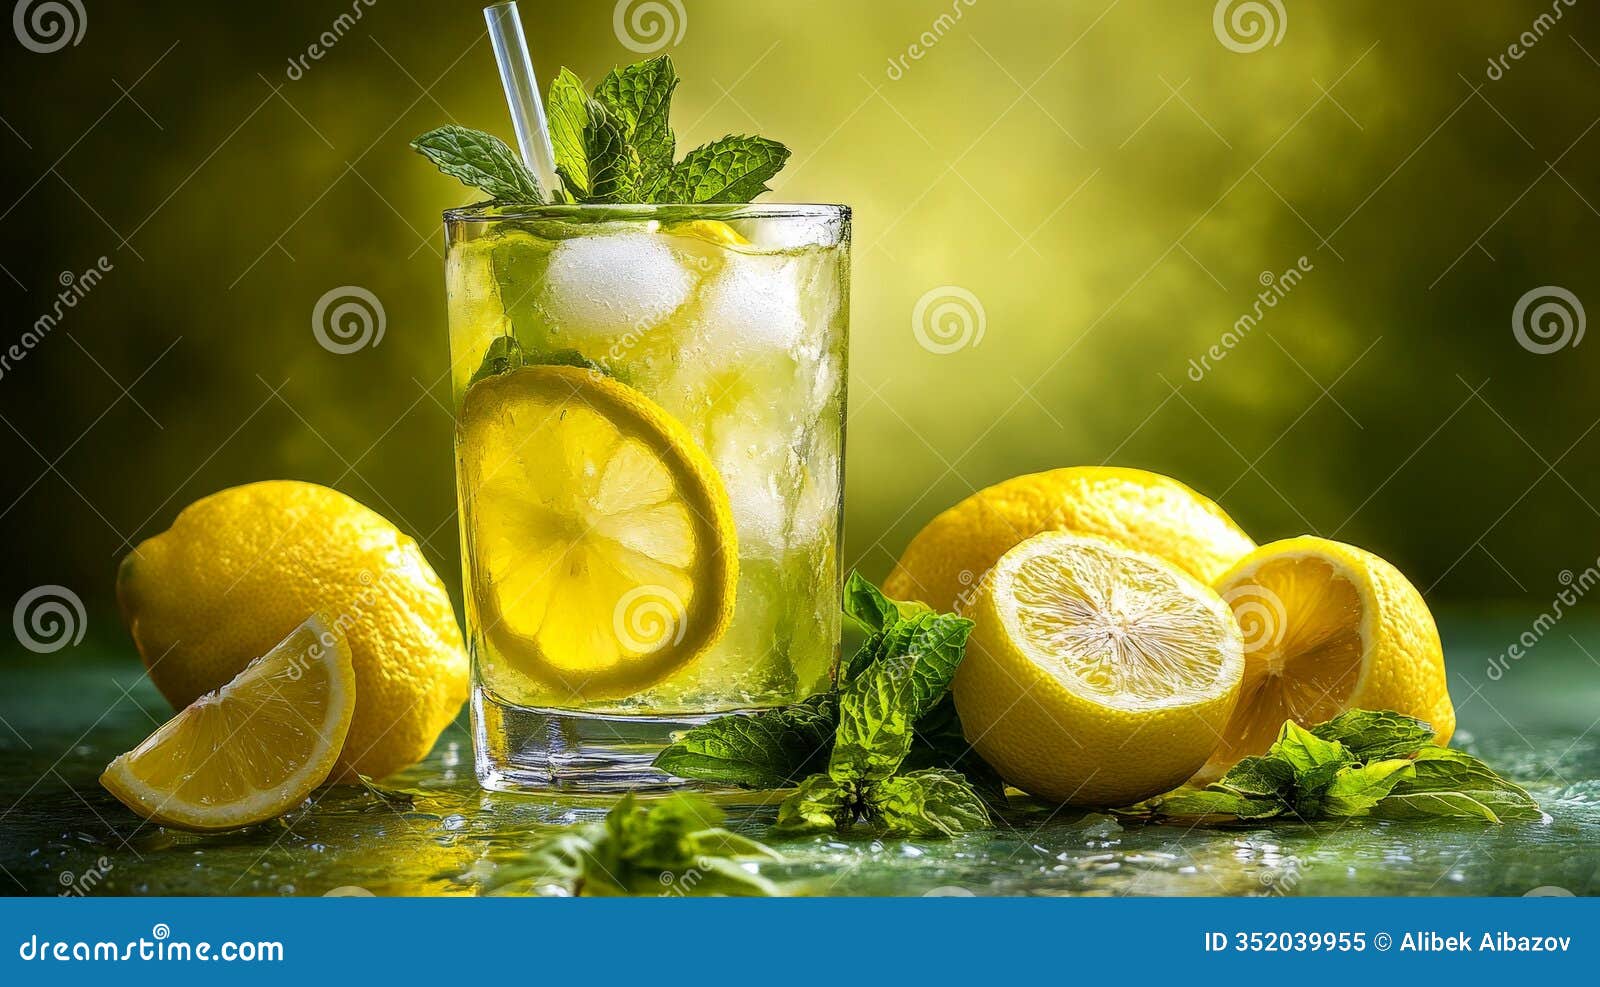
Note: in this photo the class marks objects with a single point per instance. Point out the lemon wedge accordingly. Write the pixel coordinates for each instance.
(603, 548)
(1096, 675)
(252, 749)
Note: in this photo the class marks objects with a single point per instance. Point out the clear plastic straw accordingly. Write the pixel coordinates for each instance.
(522, 91)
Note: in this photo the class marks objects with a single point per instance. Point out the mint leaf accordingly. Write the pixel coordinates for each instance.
(1451, 783)
(671, 847)
(733, 169)
(865, 604)
(567, 111)
(1375, 735)
(907, 679)
(1315, 761)
(926, 803)
(1354, 791)
(939, 742)
(875, 717)
(558, 860)
(771, 749)
(1265, 776)
(819, 805)
(503, 354)
(481, 161)
(639, 97)
(615, 170)
(1212, 801)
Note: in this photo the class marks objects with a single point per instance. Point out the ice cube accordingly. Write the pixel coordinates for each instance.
(615, 284)
(756, 465)
(793, 232)
(752, 303)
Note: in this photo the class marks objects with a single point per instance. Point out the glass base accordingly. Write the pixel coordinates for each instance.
(523, 749)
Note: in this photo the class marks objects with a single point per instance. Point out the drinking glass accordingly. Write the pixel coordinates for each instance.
(650, 406)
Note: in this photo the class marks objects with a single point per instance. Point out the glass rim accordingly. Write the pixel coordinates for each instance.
(495, 212)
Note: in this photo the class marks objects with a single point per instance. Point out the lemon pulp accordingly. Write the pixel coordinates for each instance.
(603, 551)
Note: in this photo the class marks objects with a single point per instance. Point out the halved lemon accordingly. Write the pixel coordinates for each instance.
(254, 748)
(1328, 627)
(603, 548)
(1096, 675)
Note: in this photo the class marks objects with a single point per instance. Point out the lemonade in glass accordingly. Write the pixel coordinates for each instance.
(650, 407)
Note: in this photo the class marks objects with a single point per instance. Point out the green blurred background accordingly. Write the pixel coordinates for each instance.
(1108, 179)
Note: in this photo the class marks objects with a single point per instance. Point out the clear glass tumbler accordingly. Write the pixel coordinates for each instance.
(650, 406)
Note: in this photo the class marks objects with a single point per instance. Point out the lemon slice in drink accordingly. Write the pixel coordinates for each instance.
(604, 553)
(1328, 627)
(1096, 675)
(254, 748)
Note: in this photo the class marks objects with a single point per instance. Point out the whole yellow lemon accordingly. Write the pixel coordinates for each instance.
(242, 568)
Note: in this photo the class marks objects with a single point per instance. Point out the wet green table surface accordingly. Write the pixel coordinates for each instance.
(65, 715)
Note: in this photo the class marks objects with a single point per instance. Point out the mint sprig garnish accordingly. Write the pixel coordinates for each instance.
(481, 161)
(885, 747)
(612, 145)
(1361, 763)
(772, 749)
(733, 169)
(676, 846)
